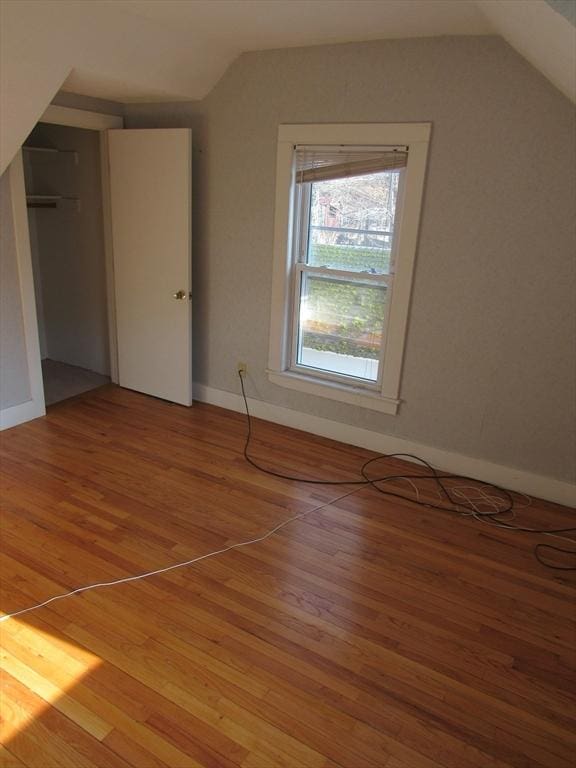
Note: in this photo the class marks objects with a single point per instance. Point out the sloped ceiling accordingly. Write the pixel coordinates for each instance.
(170, 50)
(566, 8)
(542, 32)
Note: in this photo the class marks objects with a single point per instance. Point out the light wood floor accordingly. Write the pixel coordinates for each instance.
(371, 633)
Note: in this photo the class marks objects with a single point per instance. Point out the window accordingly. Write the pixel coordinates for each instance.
(347, 210)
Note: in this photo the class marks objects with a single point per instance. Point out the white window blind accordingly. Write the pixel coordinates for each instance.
(328, 163)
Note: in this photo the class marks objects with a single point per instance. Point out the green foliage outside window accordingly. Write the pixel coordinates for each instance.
(351, 258)
(345, 318)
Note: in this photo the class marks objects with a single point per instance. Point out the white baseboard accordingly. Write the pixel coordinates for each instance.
(538, 486)
(18, 414)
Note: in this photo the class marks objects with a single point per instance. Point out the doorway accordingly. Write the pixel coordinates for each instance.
(64, 205)
(153, 229)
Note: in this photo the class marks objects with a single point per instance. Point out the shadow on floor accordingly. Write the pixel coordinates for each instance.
(62, 381)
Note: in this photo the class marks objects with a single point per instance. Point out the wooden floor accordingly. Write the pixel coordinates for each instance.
(371, 633)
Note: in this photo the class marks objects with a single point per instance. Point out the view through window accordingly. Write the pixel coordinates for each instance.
(344, 282)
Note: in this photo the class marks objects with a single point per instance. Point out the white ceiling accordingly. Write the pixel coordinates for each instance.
(171, 50)
(142, 50)
(162, 50)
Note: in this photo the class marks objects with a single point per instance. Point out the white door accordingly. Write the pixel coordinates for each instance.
(150, 190)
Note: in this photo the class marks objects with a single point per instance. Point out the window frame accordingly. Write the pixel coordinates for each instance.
(384, 394)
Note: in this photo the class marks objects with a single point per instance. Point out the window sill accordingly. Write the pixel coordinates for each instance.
(333, 391)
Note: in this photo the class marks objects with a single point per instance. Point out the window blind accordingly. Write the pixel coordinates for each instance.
(329, 163)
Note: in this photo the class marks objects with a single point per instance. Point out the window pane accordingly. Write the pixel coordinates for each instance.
(352, 222)
(340, 326)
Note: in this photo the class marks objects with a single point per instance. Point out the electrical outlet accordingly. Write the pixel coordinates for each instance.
(242, 368)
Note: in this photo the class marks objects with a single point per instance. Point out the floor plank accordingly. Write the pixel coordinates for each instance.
(372, 632)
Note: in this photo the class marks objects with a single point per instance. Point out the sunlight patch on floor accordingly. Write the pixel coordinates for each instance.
(45, 667)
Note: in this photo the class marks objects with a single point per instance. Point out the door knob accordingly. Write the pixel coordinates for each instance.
(179, 295)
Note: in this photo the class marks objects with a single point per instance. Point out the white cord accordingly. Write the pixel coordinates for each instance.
(178, 565)
(414, 488)
(477, 498)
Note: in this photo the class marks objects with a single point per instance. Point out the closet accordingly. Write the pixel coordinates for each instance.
(64, 201)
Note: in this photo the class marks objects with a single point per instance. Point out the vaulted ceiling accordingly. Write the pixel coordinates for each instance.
(167, 50)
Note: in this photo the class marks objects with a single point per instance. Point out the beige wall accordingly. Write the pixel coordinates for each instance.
(14, 379)
(489, 368)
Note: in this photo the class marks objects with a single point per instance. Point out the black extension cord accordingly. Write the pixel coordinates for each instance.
(432, 475)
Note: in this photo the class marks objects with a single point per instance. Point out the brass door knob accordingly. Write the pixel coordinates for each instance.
(179, 295)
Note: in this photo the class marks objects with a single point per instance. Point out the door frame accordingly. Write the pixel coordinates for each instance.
(35, 406)
(74, 118)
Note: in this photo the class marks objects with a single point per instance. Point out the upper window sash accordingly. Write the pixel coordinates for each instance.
(301, 214)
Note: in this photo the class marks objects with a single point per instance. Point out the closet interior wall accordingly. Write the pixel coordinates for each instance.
(64, 196)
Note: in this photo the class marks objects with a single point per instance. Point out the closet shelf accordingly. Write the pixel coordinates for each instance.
(53, 151)
(48, 201)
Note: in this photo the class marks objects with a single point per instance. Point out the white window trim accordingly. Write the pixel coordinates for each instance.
(416, 136)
